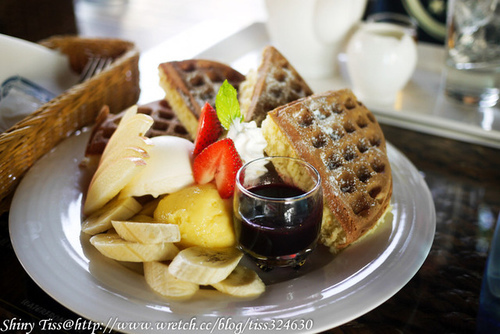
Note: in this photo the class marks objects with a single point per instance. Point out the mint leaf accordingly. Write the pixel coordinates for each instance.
(227, 105)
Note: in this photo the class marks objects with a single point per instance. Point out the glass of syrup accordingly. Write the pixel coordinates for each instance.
(278, 210)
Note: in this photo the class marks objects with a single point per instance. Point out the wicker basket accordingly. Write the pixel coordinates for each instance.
(117, 86)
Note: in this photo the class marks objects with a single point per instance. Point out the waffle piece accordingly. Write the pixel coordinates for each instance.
(274, 84)
(104, 127)
(341, 138)
(189, 84)
(165, 120)
(165, 123)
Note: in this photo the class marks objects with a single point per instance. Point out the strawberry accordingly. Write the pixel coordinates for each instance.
(209, 129)
(219, 161)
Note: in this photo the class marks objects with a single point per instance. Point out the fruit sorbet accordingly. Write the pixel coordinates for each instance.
(204, 218)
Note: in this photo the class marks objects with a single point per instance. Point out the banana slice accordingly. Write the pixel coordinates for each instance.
(147, 233)
(114, 247)
(242, 282)
(116, 209)
(204, 265)
(161, 281)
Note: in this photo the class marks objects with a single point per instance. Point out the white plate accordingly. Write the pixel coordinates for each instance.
(45, 220)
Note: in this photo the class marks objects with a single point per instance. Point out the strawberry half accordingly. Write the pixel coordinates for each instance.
(209, 129)
(219, 161)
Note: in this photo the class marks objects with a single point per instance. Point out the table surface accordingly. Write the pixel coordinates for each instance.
(464, 179)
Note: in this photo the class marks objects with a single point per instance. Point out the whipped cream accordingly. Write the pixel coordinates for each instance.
(248, 139)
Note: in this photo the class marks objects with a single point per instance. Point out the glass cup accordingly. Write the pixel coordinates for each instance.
(472, 71)
(381, 57)
(278, 210)
(20, 97)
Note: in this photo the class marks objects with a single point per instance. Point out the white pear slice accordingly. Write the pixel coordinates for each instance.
(125, 153)
(162, 282)
(138, 148)
(114, 247)
(147, 233)
(116, 209)
(134, 126)
(117, 167)
(109, 181)
(131, 111)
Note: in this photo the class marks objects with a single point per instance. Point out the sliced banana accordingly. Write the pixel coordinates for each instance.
(147, 233)
(114, 247)
(161, 281)
(242, 282)
(116, 209)
(204, 265)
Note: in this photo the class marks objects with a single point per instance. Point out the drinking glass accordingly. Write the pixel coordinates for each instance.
(278, 210)
(472, 71)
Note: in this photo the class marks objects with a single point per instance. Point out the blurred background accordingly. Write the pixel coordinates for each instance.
(150, 22)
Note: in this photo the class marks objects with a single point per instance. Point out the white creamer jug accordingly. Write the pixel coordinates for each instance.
(311, 33)
(381, 58)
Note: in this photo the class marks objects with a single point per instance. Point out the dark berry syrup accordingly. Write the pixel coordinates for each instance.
(266, 229)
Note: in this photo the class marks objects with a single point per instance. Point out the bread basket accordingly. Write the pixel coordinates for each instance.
(117, 86)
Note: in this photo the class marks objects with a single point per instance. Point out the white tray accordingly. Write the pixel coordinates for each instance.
(421, 106)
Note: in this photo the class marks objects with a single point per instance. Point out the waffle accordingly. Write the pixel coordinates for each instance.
(341, 138)
(165, 123)
(275, 83)
(189, 84)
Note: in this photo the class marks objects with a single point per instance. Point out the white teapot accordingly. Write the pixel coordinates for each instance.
(381, 58)
(311, 33)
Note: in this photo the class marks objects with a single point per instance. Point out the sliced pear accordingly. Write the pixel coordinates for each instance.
(131, 111)
(138, 149)
(161, 281)
(147, 233)
(125, 150)
(114, 247)
(126, 153)
(116, 209)
(128, 129)
(109, 181)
